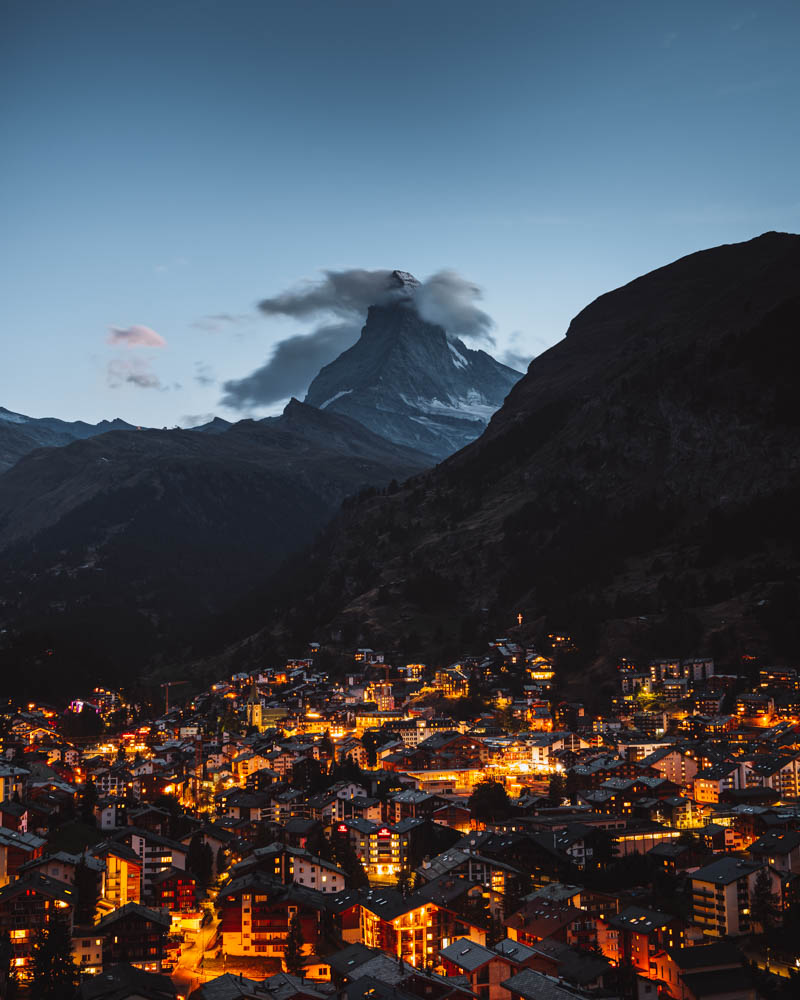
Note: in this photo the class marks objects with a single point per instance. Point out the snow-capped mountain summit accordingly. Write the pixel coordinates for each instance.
(410, 382)
(404, 281)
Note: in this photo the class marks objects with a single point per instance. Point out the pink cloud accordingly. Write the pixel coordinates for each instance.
(135, 336)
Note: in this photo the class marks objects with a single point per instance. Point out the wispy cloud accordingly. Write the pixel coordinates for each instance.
(219, 321)
(135, 372)
(203, 374)
(171, 265)
(135, 336)
(514, 357)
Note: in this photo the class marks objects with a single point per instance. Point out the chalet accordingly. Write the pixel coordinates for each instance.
(156, 853)
(87, 949)
(292, 865)
(575, 967)
(236, 803)
(62, 866)
(636, 936)
(360, 807)
(151, 818)
(122, 876)
(710, 970)
(16, 849)
(111, 812)
(780, 772)
(411, 804)
(485, 968)
(470, 865)
(455, 814)
(12, 780)
(30, 904)
(779, 849)
(416, 927)
(383, 848)
(545, 918)
(174, 890)
(721, 896)
(14, 815)
(711, 782)
(673, 763)
(256, 911)
(135, 934)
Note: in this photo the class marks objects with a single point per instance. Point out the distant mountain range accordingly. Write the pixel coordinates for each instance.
(412, 382)
(20, 435)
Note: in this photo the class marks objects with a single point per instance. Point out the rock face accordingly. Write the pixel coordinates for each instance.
(125, 543)
(20, 435)
(411, 382)
(646, 467)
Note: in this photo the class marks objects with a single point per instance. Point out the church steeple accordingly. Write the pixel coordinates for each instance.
(254, 708)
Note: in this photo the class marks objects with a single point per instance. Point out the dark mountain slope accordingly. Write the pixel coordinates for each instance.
(144, 534)
(647, 465)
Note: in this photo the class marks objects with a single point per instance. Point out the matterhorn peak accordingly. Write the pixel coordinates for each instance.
(403, 281)
(407, 380)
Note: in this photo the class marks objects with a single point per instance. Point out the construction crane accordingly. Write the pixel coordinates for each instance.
(167, 685)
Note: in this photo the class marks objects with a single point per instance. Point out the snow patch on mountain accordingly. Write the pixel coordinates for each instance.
(458, 358)
(473, 406)
(344, 392)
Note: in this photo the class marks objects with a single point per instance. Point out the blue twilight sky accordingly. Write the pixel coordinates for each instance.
(165, 161)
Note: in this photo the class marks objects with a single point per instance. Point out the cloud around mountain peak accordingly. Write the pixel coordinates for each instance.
(339, 303)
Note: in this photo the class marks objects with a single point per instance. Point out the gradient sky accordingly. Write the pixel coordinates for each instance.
(169, 160)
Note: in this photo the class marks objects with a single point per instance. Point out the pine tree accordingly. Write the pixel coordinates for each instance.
(293, 955)
(88, 800)
(404, 879)
(326, 744)
(200, 859)
(87, 886)
(763, 901)
(55, 975)
(344, 855)
(517, 887)
(489, 802)
(206, 865)
(571, 787)
(557, 788)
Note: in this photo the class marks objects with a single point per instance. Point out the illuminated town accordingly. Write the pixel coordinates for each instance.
(366, 828)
